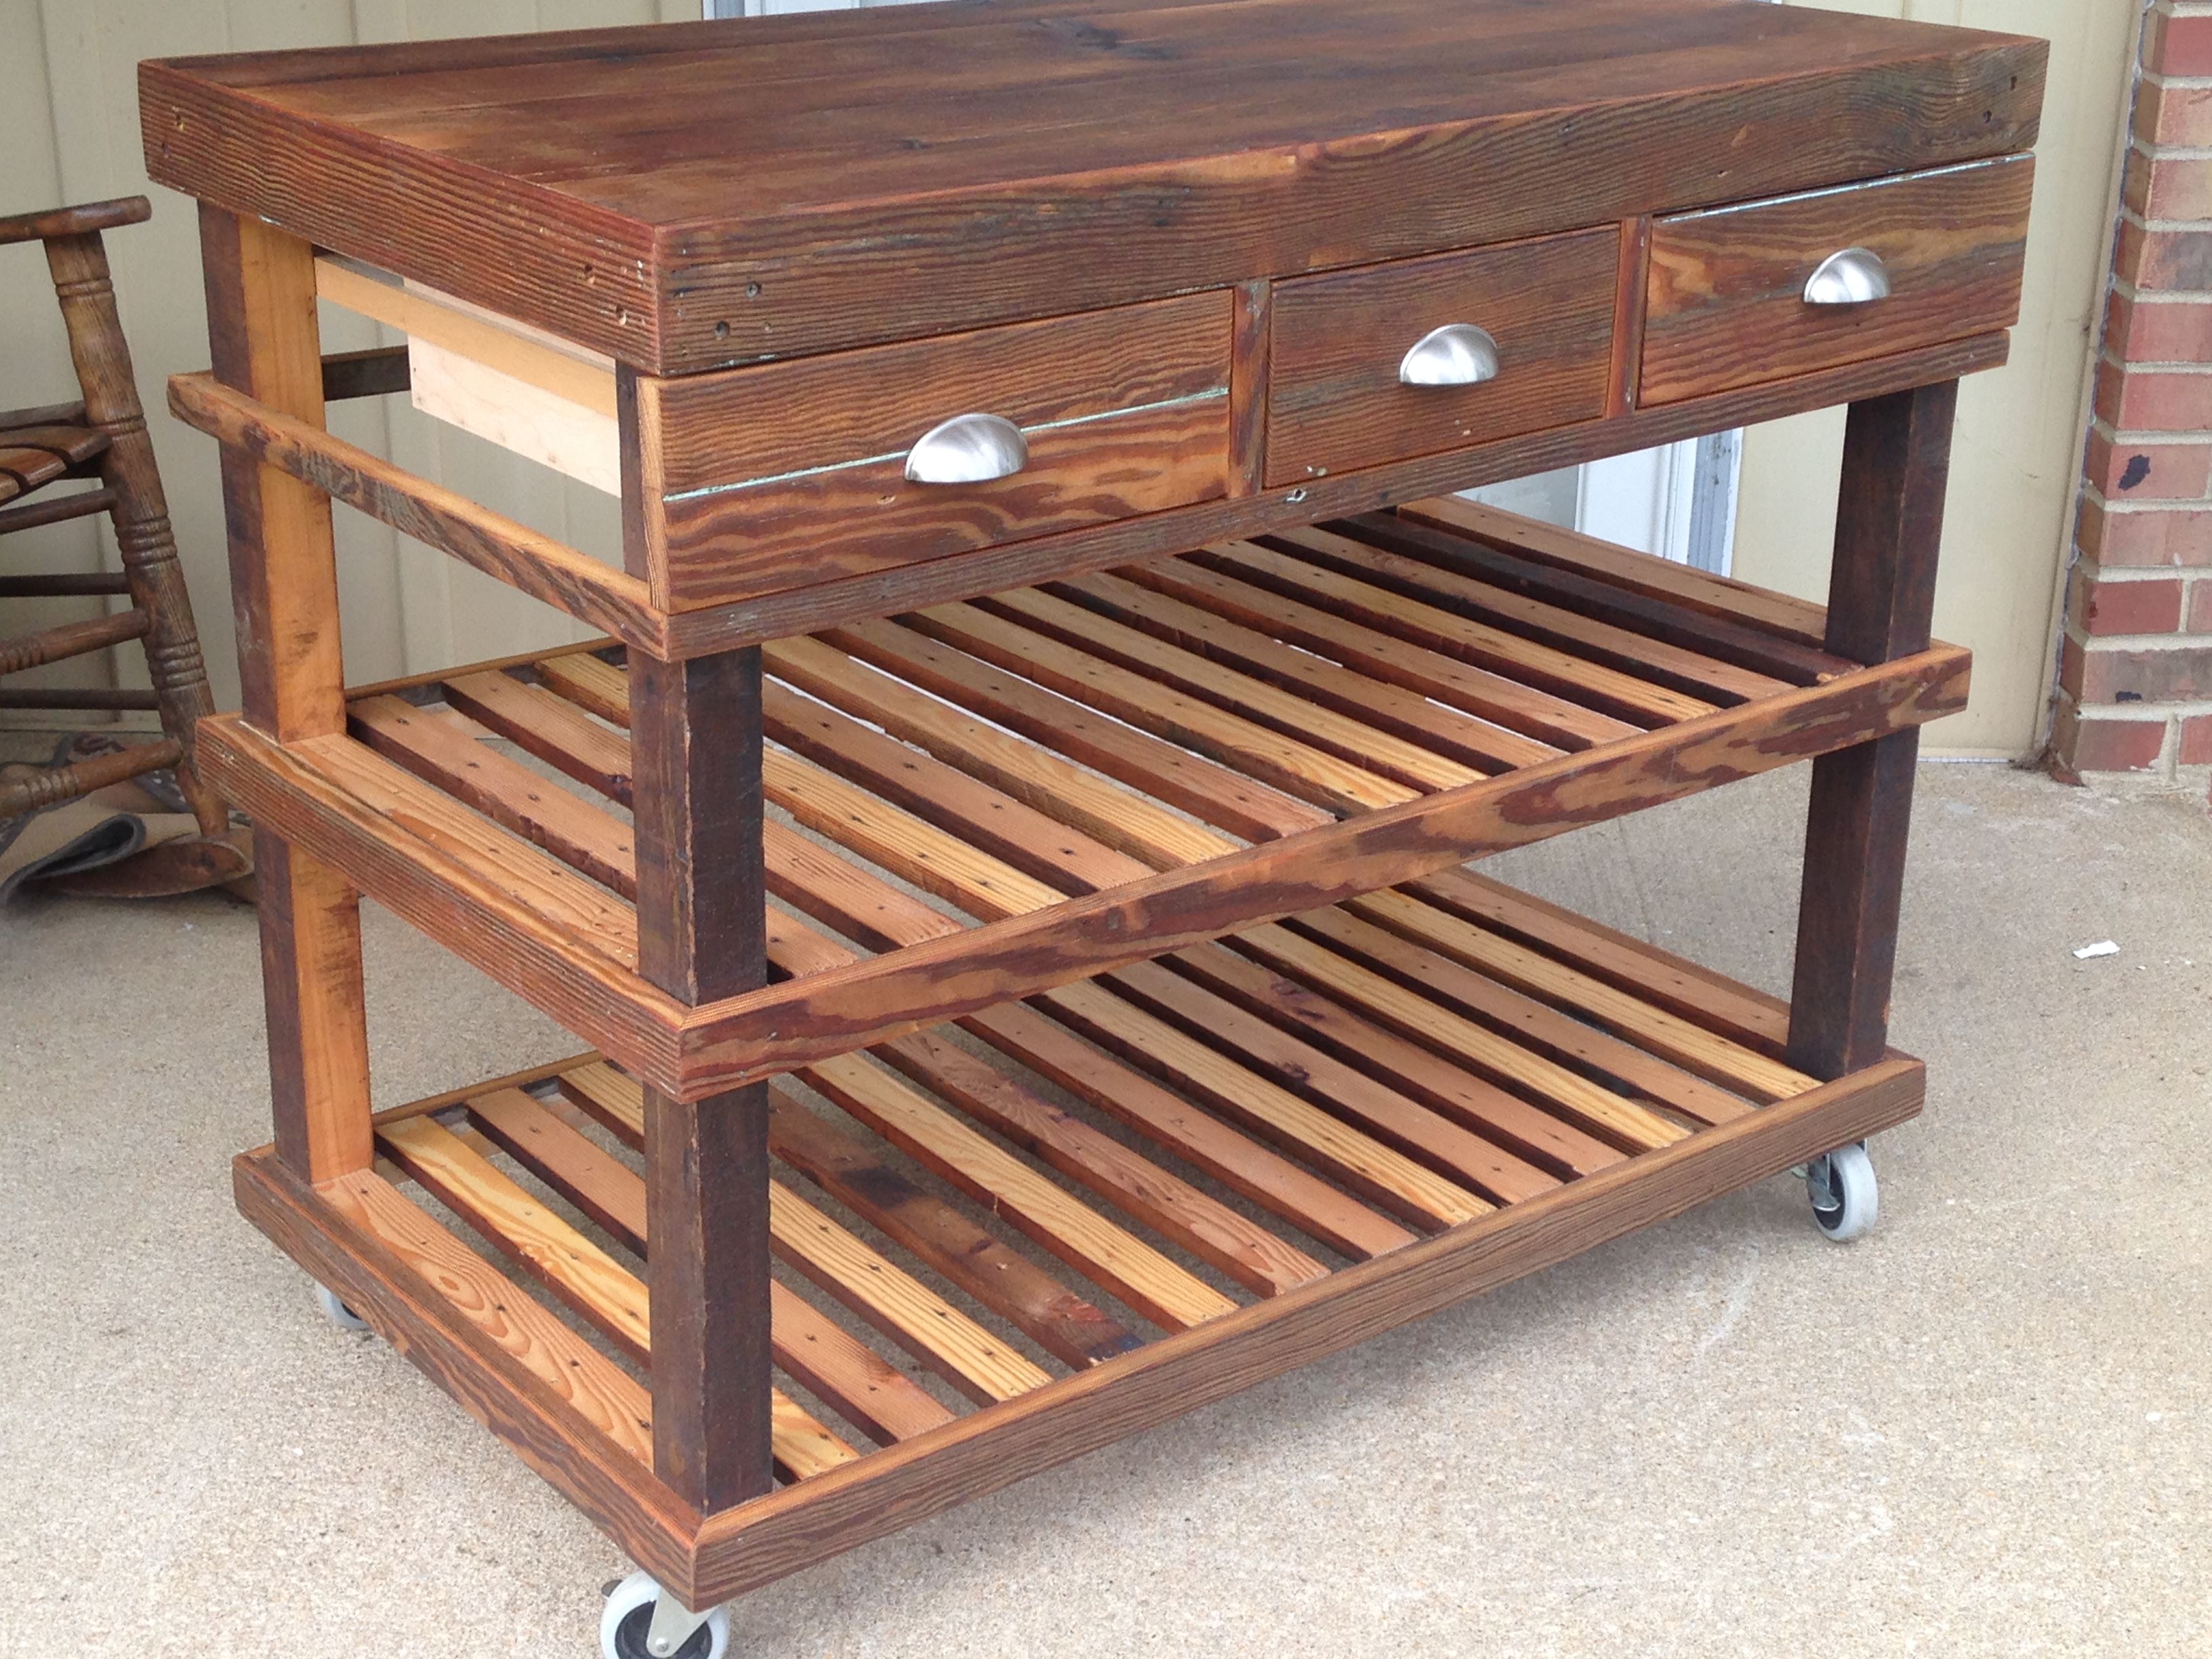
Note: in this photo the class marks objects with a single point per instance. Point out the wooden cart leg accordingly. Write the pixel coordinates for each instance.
(696, 736)
(283, 574)
(1882, 598)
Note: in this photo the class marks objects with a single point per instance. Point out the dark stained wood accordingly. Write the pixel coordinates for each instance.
(994, 168)
(375, 373)
(1249, 355)
(1334, 402)
(1622, 373)
(1881, 594)
(1727, 302)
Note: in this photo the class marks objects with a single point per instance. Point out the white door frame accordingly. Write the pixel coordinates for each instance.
(1677, 501)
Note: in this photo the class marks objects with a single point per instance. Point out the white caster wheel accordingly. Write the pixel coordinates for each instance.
(336, 1311)
(1845, 1200)
(636, 1606)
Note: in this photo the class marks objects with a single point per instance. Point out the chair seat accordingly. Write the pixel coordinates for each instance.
(33, 455)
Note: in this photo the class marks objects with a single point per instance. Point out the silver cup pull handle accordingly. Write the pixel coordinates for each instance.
(968, 449)
(1458, 354)
(1855, 277)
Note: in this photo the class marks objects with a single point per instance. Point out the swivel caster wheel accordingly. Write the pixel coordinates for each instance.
(642, 1622)
(1841, 1185)
(336, 1311)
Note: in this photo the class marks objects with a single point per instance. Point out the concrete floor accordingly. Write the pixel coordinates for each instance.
(1984, 1430)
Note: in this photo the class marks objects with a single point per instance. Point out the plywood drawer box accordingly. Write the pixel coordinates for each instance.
(1731, 297)
(1339, 398)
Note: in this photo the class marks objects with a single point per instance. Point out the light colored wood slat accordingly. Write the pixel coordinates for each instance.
(1571, 1038)
(1639, 573)
(498, 407)
(834, 891)
(610, 1096)
(1284, 764)
(1541, 716)
(450, 833)
(446, 749)
(1656, 976)
(589, 684)
(1171, 1206)
(898, 1304)
(931, 858)
(1687, 1045)
(1063, 857)
(604, 1394)
(1560, 673)
(800, 1446)
(1445, 1147)
(551, 727)
(1231, 1157)
(1113, 814)
(1456, 1093)
(1433, 727)
(884, 1402)
(1210, 792)
(1361, 1162)
(1095, 1247)
(1244, 693)
(1578, 1099)
(1638, 652)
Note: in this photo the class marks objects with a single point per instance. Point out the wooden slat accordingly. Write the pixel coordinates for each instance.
(1377, 702)
(1528, 662)
(1246, 694)
(1432, 1139)
(1235, 1159)
(1419, 1072)
(895, 1303)
(1284, 763)
(1683, 584)
(859, 903)
(1107, 1254)
(548, 727)
(1686, 1044)
(1548, 720)
(1580, 1101)
(1210, 792)
(1349, 1155)
(1061, 1322)
(1655, 661)
(1211, 1230)
(1114, 815)
(589, 684)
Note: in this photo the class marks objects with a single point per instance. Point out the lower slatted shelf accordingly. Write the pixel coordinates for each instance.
(978, 800)
(1007, 1239)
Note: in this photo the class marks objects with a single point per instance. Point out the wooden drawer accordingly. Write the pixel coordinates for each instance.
(1727, 299)
(1336, 401)
(794, 473)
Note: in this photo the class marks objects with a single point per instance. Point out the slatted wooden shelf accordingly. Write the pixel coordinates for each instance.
(980, 800)
(1370, 1107)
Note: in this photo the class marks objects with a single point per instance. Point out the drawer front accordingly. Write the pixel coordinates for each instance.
(1339, 343)
(1728, 303)
(791, 473)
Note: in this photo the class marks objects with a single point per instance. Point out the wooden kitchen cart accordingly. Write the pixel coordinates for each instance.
(1004, 857)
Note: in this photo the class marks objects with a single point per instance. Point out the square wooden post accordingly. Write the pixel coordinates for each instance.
(1882, 598)
(265, 342)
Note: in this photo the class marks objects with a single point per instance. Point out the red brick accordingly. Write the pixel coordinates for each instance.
(2175, 115)
(2159, 330)
(2199, 607)
(2157, 400)
(2151, 537)
(2105, 746)
(2178, 45)
(2196, 740)
(2124, 472)
(2173, 261)
(2089, 528)
(2178, 673)
(2101, 608)
(2134, 183)
(2073, 664)
(2173, 187)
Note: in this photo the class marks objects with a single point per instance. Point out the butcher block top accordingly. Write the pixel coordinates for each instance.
(690, 195)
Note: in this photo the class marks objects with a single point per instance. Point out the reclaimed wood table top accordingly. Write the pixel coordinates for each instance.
(690, 195)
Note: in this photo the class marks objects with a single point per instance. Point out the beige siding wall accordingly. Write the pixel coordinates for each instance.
(2018, 451)
(68, 125)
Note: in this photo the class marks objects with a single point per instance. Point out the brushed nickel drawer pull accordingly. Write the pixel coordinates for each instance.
(968, 449)
(1855, 277)
(1458, 354)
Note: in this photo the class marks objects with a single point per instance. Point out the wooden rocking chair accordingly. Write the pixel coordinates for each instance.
(103, 438)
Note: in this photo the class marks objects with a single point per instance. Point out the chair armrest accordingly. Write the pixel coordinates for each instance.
(75, 221)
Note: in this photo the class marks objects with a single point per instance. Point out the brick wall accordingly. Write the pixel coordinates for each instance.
(2135, 668)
